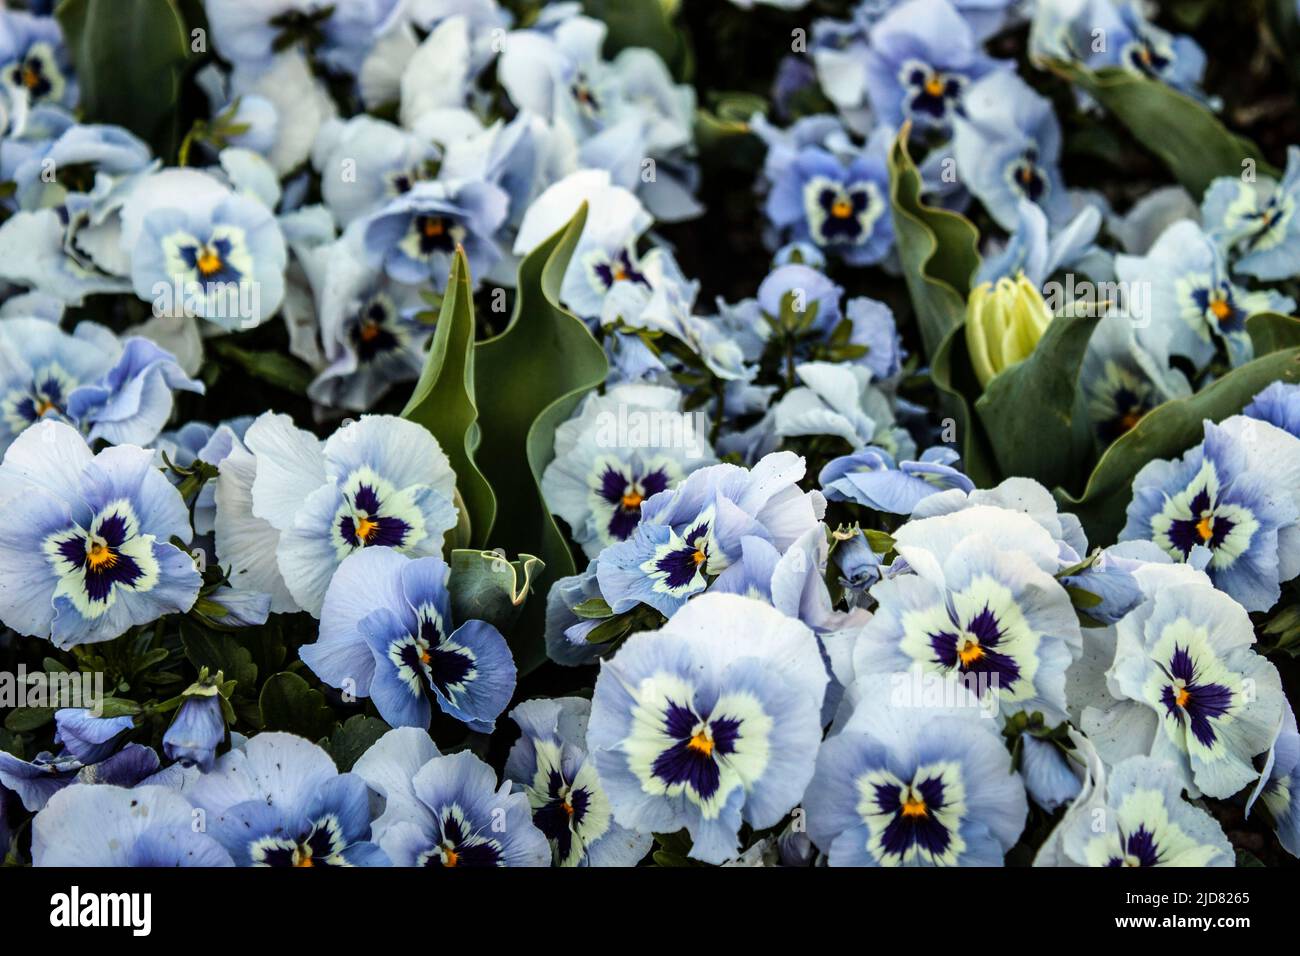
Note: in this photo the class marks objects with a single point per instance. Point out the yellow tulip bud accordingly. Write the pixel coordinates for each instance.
(1003, 324)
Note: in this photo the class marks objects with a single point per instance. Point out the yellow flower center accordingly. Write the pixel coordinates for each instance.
(209, 262)
(31, 77)
(43, 406)
(369, 331)
(934, 85)
(632, 499)
(970, 652)
(450, 857)
(1220, 308)
(1205, 527)
(366, 527)
(1182, 697)
(841, 209)
(433, 227)
(702, 743)
(914, 806)
(699, 557)
(100, 557)
(1130, 419)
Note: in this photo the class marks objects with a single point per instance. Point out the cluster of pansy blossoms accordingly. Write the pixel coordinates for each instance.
(451, 433)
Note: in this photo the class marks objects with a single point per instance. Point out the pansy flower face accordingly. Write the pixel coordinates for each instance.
(39, 74)
(1217, 501)
(95, 564)
(680, 565)
(1256, 223)
(430, 235)
(930, 95)
(917, 820)
(1026, 178)
(1118, 400)
(569, 805)
(447, 812)
(279, 801)
(1148, 54)
(376, 330)
(618, 489)
(929, 786)
(46, 394)
(841, 213)
(386, 634)
(977, 631)
(1135, 818)
(87, 547)
(605, 269)
(1203, 515)
(691, 726)
(1185, 654)
(219, 257)
(373, 513)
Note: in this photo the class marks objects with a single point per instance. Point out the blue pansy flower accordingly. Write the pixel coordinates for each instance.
(290, 508)
(839, 400)
(198, 248)
(873, 479)
(1007, 144)
(88, 736)
(447, 811)
(904, 784)
(1277, 786)
(34, 60)
(618, 450)
(982, 607)
(198, 728)
(249, 33)
(1123, 377)
(692, 727)
(566, 633)
(85, 539)
(694, 532)
(387, 633)
(1103, 33)
(35, 781)
(551, 765)
(365, 162)
(1193, 301)
(279, 801)
(83, 153)
(118, 391)
(416, 234)
(1037, 251)
(834, 195)
(921, 58)
(1278, 404)
(1135, 816)
(109, 826)
(1220, 503)
(1256, 222)
(1189, 688)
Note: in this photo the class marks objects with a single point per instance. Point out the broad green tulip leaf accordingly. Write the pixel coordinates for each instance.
(1027, 409)
(1271, 332)
(528, 380)
(1167, 431)
(642, 23)
(1181, 132)
(938, 249)
(443, 402)
(129, 59)
(955, 379)
(485, 586)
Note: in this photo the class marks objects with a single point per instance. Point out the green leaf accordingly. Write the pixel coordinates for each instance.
(288, 703)
(1181, 132)
(1167, 431)
(938, 249)
(954, 377)
(219, 652)
(274, 368)
(443, 400)
(23, 720)
(1271, 332)
(352, 738)
(1037, 396)
(641, 23)
(528, 380)
(485, 586)
(593, 609)
(129, 58)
